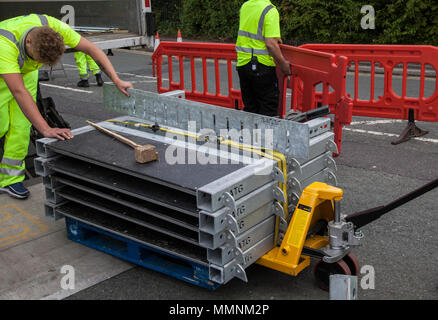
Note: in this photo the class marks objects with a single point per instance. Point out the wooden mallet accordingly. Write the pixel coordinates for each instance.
(143, 154)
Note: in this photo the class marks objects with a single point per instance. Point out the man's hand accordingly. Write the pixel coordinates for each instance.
(59, 133)
(104, 64)
(15, 83)
(273, 45)
(285, 67)
(123, 85)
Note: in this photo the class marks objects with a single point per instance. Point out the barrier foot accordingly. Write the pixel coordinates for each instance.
(411, 131)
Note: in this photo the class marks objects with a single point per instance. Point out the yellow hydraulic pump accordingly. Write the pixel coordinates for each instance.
(316, 207)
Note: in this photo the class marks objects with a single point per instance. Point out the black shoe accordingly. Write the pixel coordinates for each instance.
(99, 79)
(43, 75)
(16, 190)
(83, 83)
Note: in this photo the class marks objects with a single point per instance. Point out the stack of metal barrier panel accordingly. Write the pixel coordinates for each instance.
(219, 214)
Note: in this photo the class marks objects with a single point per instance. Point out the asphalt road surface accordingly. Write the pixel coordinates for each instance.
(401, 247)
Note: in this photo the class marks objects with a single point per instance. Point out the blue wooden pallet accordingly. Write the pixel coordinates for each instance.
(139, 253)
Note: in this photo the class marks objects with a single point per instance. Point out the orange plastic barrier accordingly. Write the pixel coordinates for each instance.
(216, 52)
(310, 68)
(387, 57)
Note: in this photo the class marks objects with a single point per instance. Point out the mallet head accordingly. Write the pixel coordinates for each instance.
(145, 153)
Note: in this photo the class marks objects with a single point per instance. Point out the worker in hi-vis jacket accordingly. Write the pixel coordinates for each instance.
(82, 60)
(26, 43)
(258, 54)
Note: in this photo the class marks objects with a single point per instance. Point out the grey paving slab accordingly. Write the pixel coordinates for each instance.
(33, 250)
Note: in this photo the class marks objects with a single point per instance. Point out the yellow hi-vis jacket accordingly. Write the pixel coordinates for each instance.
(259, 19)
(13, 32)
(14, 126)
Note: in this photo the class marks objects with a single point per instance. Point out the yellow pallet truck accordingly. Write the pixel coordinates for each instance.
(318, 229)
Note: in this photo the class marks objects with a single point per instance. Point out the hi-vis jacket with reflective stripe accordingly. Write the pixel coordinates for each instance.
(13, 32)
(259, 19)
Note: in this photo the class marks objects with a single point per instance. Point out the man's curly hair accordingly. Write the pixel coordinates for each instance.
(48, 45)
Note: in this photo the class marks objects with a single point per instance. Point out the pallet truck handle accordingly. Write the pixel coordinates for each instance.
(312, 114)
(362, 218)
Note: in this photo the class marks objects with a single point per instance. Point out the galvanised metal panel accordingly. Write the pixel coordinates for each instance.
(288, 137)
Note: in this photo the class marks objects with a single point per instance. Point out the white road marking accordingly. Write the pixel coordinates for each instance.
(376, 133)
(128, 74)
(64, 88)
(146, 53)
(70, 65)
(372, 122)
(143, 81)
(395, 76)
(136, 75)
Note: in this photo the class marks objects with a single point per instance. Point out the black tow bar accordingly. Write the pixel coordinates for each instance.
(362, 218)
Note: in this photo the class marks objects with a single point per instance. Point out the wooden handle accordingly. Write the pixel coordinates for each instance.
(115, 135)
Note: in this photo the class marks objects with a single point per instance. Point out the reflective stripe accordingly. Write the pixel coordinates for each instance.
(262, 20)
(255, 51)
(43, 20)
(20, 61)
(10, 36)
(259, 35)
(12, 162)
(250, 35)
(12, 172)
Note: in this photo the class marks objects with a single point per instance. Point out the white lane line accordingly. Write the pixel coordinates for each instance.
(376, 133)
(395, 76)
(128, 74)
(136, 75)
(70, 65)
(65, 88)
(143, 81)
(139, 76)
(146, 53)
(373, 122)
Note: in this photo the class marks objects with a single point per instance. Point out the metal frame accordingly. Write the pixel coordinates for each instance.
(228, 238)
(59, 211)
(326, 175)
(235, 268)
(224, 254)
(236, 214)
(160, 226)
(236, 185)
(65, 182)
(232, 218)
(306, 170)
(41, 144)
(115, 188)
(169, 111)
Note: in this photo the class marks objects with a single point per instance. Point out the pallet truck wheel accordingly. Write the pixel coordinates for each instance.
(323, 270)
(353, 263)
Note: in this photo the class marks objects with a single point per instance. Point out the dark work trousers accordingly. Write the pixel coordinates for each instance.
(259, 89)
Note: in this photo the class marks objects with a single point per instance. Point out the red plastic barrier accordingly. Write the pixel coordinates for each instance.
(389, 104)
(218, 52)
(309, 68)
